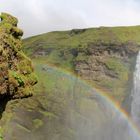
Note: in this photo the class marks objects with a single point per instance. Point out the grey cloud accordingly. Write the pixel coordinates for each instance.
(39, 16)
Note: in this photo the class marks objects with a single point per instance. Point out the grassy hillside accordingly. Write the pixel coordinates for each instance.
(63, 107)
(85, 51)
(80, 37)
(77, 37)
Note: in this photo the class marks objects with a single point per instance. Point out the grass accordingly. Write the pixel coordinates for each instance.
(104, 34)
(69, 47)
(118, 67)
(61, 90)
(37, 123)
(61, 43)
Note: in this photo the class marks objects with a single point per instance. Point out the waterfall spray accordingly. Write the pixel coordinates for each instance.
(135, 106)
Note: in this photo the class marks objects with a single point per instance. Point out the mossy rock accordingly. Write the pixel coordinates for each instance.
(17, 76)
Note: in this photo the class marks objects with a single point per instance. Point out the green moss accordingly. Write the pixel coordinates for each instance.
(1, 132)
(108, 83)
(23, 128)
(118, 67)
(17, 67)
(18, 78)
(114, 64)
(81, 57)
(7, 18)
(49, 115)
(37, 123)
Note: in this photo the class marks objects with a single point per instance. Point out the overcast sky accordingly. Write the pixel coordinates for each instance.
(40, 16)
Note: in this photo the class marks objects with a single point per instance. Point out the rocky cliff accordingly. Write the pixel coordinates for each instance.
(64, 107)
(108, 67)
(104, 56)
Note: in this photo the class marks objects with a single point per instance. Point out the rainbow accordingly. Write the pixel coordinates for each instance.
(115, 105)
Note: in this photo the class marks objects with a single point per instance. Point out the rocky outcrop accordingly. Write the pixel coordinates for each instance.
(16, 71)
(107, 66)
(94, 57)
(104, 56)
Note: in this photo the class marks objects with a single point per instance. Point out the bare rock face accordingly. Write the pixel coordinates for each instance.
(108, 67)
(16, 72)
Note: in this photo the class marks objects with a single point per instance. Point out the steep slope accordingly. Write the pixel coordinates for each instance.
(102, 56)
(64, 107)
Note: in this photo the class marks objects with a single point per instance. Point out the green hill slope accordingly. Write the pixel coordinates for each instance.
(62, 105)
(77, 37)
(102, 56)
